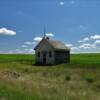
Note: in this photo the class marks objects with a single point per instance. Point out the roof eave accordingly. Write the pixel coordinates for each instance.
(61, 49)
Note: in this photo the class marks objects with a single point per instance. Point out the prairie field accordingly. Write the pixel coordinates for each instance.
(21, 79)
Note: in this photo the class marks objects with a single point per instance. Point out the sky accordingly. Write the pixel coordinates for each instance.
(75, 22)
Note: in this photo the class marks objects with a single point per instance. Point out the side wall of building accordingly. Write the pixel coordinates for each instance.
(62, 57)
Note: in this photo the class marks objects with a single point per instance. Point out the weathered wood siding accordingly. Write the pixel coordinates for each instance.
(44, 47)
(62, 57)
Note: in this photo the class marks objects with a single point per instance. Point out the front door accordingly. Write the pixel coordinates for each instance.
(44, 57)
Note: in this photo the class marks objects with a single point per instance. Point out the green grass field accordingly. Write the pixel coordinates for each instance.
(20, 79)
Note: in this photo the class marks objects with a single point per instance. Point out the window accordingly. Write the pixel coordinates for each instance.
(38, 54)
(50, 54)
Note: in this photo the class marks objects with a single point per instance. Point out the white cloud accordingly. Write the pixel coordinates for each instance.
(90, 44)
(29, 51)
(82, 27)
(84, 40)
(87, 46)
(61, 3)
(50, 34)
(5, 31)
(37, 39)
(33, 42)
(18, 51)
(69, 45)
(24, 51)
(74, 48)
(80, 41)
(95, 37)
(6, 52)
(88, 39)
(10, 52)
(29, 43)
(97, 42)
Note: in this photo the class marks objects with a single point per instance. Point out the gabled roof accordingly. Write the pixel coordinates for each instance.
(57, 45)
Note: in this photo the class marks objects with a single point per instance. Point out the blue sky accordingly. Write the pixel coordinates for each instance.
(75, 22)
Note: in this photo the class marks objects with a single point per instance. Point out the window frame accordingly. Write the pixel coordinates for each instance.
(50, 54)
(38, 54)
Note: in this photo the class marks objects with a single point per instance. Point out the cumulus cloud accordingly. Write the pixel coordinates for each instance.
(84, 40)
(28, 51)
(18, 51)
(74, 48)
(24, 51)
(61, 3)
(87, 46)
(69, 2)
(82, 27)
(5, 31)
(29, 43)
(37, 39)
(88, 39)
(97, 42)
(69, 45)
(50, 34)
(95, 37)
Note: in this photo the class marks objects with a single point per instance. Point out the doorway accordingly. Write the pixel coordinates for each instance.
(44, 57)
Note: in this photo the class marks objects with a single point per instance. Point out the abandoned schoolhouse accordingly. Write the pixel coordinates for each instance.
(49, 51)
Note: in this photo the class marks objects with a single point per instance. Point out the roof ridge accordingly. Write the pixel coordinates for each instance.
(56, 44)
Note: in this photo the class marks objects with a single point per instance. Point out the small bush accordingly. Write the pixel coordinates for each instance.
(89, 79)
(26, 70)
(98, 86)
(67, 78)
(44, 74)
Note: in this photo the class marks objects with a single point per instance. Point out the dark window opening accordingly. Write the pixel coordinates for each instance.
(50, 54)
(38, 54)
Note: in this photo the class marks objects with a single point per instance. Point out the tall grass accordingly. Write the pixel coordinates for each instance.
(20, 79)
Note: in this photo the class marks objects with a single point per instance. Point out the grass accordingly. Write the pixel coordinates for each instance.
(92, 58)
(20, 79)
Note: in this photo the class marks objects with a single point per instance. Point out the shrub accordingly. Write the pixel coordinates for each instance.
(44, 74)
(68, 78)
(89, 79)
(98, 86)
(26, 70)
